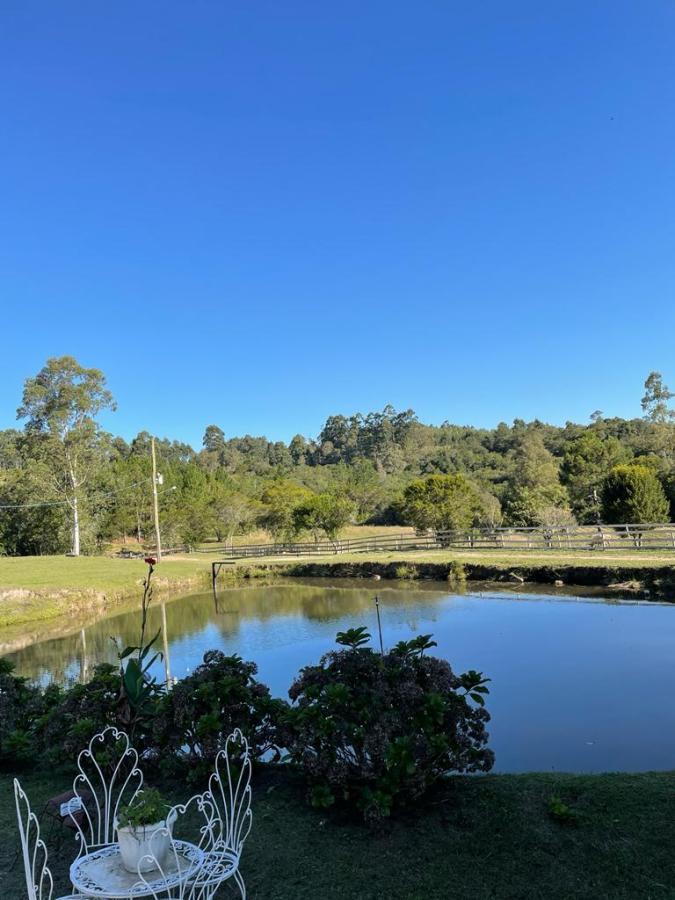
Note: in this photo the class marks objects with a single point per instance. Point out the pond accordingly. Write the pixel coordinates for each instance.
(578, 684)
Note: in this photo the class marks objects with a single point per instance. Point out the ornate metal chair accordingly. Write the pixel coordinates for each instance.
(108, 778)
(230, 788)
(186, 871)
(39, 881)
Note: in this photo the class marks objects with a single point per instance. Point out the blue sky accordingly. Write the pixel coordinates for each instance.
(260, 213)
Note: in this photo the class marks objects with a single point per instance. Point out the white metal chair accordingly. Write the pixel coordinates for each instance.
(108, 778)
(191, 863)
(39, 881)
(230, 788)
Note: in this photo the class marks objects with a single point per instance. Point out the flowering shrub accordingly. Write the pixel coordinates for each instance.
(378, 730)
(196, 716)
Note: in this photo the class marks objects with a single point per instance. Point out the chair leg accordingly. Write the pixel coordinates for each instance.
(240, 883)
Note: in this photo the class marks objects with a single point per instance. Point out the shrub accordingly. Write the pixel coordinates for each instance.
(81, 712)
(442, 502)
(196, 716)
(22, 709)
(376, 731)
(327, 513)
(633, 493)
(402, 572)
(126, 697)
(561, 812)
(456, 576)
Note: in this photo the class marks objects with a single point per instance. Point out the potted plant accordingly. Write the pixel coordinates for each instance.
(144, 830)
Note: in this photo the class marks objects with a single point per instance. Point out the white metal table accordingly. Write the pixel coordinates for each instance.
(101, 873)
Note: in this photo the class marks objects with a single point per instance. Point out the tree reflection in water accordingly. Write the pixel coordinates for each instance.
(72, 656)
(600, 700)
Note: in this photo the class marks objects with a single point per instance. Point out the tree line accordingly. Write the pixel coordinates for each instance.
(68, 485)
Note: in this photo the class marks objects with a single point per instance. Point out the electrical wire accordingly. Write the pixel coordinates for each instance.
(45, 503)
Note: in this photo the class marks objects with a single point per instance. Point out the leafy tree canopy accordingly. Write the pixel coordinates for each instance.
(442, 502)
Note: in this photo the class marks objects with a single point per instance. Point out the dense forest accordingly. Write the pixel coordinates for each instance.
(67, 485)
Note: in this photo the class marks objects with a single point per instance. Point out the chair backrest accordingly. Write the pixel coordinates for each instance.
(193, 860)
(108, 778)
(230, 786)
(39, 883)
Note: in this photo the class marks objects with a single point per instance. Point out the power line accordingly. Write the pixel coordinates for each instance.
(44, 503)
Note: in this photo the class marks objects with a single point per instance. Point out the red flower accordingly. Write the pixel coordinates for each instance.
(150, 560)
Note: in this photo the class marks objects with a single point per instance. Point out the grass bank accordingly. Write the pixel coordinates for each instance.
(635, 578)
(488, 837)
(637, 574)
(36, 588)
(609, 559)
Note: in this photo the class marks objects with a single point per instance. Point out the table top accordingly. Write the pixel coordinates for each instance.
(101, 873)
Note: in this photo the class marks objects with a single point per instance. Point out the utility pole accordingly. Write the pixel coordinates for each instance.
(155, 503)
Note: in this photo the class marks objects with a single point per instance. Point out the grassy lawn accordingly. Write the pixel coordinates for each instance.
(99, 573)
(490, 837)
(348, 533)
(606, 558)
(34, 588)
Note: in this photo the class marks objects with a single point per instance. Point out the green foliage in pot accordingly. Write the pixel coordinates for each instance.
(147, 808)
(376, 731)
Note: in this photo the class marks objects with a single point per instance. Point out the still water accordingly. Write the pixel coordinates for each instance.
(577, 684)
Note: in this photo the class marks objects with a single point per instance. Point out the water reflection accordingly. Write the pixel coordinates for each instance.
(194, 618)
(582, 686)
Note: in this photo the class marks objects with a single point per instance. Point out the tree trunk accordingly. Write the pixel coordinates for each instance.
(74, 484)
(76, 528)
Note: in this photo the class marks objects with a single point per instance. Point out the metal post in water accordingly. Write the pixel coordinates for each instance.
(167, 661)
(84, 671)
(379, 623)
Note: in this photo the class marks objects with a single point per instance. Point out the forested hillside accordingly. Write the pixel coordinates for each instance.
(61, 474)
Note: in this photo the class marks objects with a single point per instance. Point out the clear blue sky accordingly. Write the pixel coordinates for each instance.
(260, 213)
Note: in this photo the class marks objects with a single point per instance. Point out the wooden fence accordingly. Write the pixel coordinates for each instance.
(629, 537)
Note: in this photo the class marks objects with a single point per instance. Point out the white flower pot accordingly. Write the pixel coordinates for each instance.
(144, 840)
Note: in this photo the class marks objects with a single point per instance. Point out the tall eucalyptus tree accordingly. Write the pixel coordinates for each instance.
(60, 405)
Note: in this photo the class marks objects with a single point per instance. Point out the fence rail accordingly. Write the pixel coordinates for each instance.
(657, 536)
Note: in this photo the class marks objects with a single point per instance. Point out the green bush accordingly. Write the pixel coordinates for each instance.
(23, 707)
(633, 493)
(404, 572)
(82, 711)
(442, 502)
(147, 808)
(456, 576)
(196, 716)
(376, 731)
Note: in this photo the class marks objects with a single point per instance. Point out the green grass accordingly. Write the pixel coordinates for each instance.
(35, 588)
(88, 572)
(602, 558)
(481, 838)
(349, 532)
